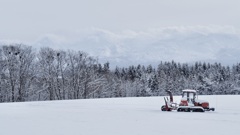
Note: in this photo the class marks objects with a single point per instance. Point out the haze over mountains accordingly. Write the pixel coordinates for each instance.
(127, 32)
(181, 44)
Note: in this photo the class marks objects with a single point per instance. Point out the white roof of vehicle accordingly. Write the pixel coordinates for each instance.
(189, 90)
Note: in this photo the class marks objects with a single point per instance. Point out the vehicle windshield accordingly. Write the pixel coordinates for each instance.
(189, 95)
(184, 95)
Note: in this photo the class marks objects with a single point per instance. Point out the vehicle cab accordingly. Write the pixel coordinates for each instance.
(188, 97)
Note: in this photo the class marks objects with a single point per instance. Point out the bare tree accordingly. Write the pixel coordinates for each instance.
(11, 57)
(26, 74)
(46, 62)
(61, 70)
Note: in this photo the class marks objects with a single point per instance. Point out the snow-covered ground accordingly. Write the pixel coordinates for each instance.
(118, 116)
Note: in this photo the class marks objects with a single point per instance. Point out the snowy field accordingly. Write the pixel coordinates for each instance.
(119, 116)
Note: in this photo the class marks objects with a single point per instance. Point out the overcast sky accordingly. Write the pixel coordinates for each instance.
(28, 19)
(59, 22)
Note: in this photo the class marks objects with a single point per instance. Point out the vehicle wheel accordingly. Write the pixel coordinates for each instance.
(163, 108)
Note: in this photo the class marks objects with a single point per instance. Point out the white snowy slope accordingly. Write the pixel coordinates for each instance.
(118, 116)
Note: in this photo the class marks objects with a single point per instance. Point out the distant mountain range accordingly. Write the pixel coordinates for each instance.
(181, 44)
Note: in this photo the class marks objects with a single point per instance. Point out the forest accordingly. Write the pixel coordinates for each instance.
(28, 74)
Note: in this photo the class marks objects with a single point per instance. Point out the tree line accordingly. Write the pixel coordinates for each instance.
(48, 74)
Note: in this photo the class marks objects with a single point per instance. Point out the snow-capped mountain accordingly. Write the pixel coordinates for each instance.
(181, 44)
